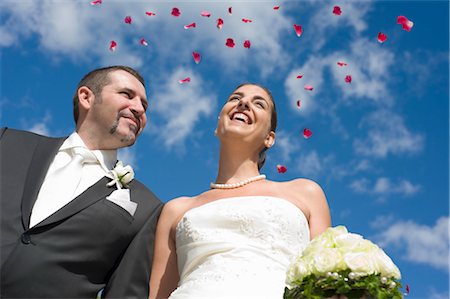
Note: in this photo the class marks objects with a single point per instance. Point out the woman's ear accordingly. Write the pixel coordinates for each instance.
(86, 97)
(270, 139)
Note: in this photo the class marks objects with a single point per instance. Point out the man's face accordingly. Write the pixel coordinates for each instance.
(118, 114)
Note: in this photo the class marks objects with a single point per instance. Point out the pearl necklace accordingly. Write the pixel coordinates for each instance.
(239, 184)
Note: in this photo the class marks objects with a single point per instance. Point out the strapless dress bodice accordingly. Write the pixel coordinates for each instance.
(239, 247)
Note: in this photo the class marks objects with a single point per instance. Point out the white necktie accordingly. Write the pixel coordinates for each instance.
(59, 187)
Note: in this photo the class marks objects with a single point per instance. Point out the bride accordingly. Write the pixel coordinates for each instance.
(237, 239)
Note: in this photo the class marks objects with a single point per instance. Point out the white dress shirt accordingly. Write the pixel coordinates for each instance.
(106, 160)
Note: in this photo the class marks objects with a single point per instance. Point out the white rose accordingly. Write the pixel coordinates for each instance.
(297, 271)
(385, 265)
(361, 263)
(327, 260)
(348, 241)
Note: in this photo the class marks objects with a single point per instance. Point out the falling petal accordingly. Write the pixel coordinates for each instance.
(176, 12)
(281, 168)
(128, 20)
(96, 2)
(308, 87)
(230, 10)
(230, 43)
(197, 57)
(337, 10)
(348, 79)
(143, 42)
(307, 133)
(298, 30)
(112, 46)
(341, 63)
(299, 76)
(407, 289)
(219, 23)
(247, 44)
(276, 7)
(192, 25)
(149, 13)
(185, 80)
(299, 103)
(406, 24)
(247, 20)
(205, 14)
(381, 37)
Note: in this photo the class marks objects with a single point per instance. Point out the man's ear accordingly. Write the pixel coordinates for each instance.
(86, 97)
(270, 139)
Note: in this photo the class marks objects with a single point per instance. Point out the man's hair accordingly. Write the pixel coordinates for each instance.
(96, 80)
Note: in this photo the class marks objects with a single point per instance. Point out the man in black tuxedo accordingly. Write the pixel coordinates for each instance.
(70, 236)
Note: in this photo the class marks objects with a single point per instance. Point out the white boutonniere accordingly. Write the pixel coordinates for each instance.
(121, 175)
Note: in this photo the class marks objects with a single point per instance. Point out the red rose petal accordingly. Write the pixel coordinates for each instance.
(337, 10)
(299, 76)
(230, 43)
(205, 14)
(196, 56)
(185, 80)
(298, 30)
(112, 46)
(230, 10)
(149, 13)
(407, 289)
(247, 44)
(348, 79)
(96, 2)
(381, 37)
(128, 20)
(281, 168)
(219, 23)
(307, 133)
(192, 25)
(299, 103)
(143, 42)
(406, 24)
(276, 7)
(308, 87)
(176, 12)
(341, 63)
(247, 20)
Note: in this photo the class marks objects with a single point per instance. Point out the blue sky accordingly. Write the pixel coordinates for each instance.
(380, 144)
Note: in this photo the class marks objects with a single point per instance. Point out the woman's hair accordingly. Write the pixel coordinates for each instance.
(273, 122)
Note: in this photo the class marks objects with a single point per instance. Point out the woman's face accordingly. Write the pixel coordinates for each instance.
(247, 113)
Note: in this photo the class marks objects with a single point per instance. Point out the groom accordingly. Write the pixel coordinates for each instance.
(69, 227)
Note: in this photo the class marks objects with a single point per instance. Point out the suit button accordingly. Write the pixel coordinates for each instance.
(26, 239)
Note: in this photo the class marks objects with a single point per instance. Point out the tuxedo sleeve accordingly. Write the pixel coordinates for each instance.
(131, 277)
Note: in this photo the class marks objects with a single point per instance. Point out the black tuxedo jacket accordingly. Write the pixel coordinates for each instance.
(89, 244)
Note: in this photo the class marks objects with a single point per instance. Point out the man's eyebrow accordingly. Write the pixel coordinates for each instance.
(237, 93)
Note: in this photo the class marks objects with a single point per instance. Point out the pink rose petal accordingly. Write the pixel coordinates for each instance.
(185, 80)
(381, 37)
(143, 42)
(149, 13)
(230, 10)
(96, 2)
(299, 76)
(196, 56)
(205, 14)
(276, 7)
(112, 46)
(307, 133)
(128, 20)
(192, 25)
(219, 23)
(176, 12)
(308, 87)
(348, 79)
(230, 43)
(247, 20)
(298, 30)
(341, 63)
(299, 103)
(247, 44)
(337, 10)
(281, 168)
(406, 24)
(407, 289)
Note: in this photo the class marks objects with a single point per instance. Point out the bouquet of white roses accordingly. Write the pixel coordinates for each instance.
(341, 263)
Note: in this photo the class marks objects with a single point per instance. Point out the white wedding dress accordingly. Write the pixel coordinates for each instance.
(238, 247)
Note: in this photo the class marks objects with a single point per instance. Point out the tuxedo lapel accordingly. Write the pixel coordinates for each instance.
(93, 194)
(43, 155)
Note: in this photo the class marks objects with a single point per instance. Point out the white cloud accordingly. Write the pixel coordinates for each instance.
(40, 127)
(128, 156)
(384, 187)
(387, 134)
(438, 295)
(285, 146)
(420, 243)
(181, 106)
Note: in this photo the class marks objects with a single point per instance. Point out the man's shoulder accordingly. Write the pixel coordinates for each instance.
(143, 192)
